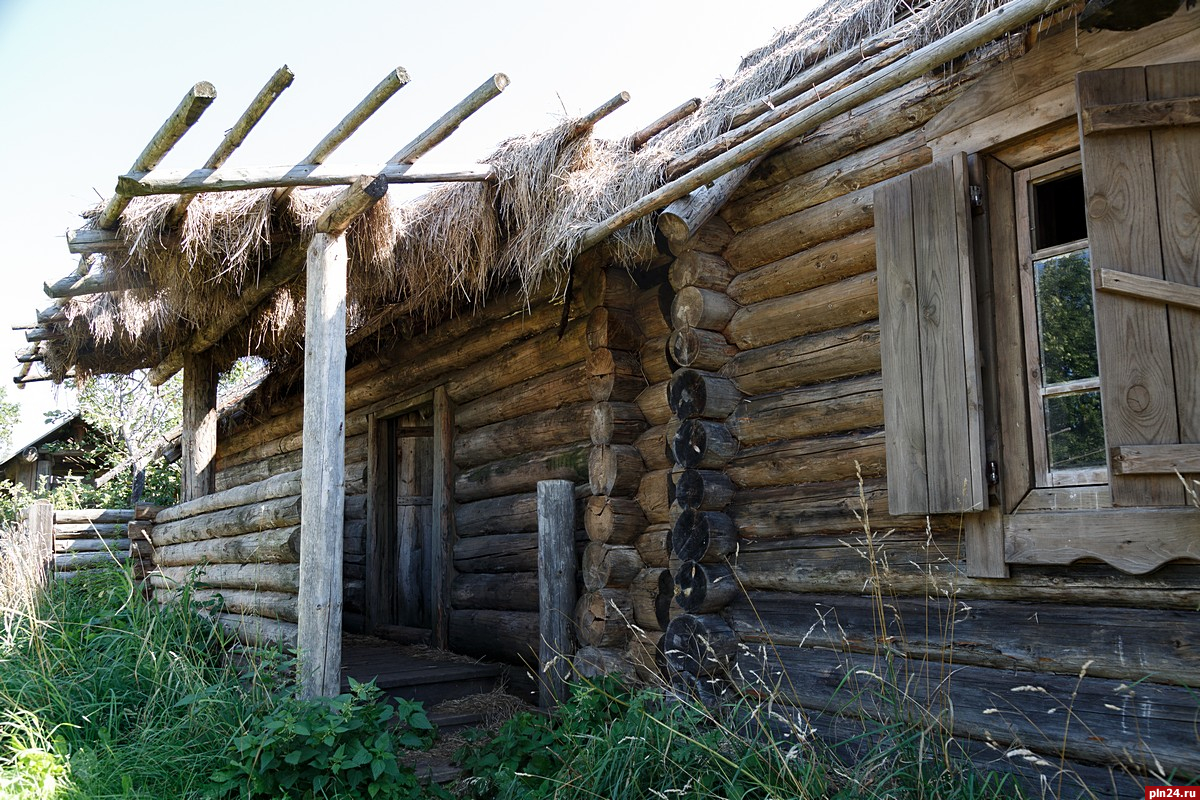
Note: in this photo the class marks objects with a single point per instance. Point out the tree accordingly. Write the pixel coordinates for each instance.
(10, 415)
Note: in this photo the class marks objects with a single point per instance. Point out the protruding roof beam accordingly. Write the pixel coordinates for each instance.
(449, 122)
(97, 281)
(290, 177)
(682, 111)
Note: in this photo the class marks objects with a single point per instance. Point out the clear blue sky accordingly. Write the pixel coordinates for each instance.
(83, 85)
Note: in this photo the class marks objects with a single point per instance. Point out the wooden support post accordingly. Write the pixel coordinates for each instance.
(442, 559)
(556, 586)
(40, 519)
(199, 426)
(319, 639)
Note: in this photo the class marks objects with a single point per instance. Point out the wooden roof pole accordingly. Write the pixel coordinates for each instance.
(234, 137)
(681, 111)
(990, 26)
(319, 605)
(393, 82)
(448, 123)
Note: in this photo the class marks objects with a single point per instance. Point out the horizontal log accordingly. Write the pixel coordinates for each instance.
(1158, 646)
(612, 328)
(615, 470)
(264, 577)
(652, 310)
(551, 390)
(614, 375)
(514, 513)
(278, 546)
(704, 444)
(797, 232)
(541, 430)
(537, 356)
(816, 358)
(244, 602)
(830, 458)
(810, 411)
(820, 265)
(96, 545)
(604, 617)
(849, 301)
(653, 495)
(285, 485)
(594, 662)
(703, 270)
(616, 423)
(705, 588)
(609, 566)
(521, 473)
(654, 356)
(71, 561)
(254, 631)
(651, 594)
(278, 513)
(694, 307)
(833, 507)
(88, 516)
(90, 530)
(654, 545)
(613, 520)
(237, 179)
(700, 644)
(496, 553)
(703, 490)
(355, 424)
(700, 349)
(654, 446)
(1085, 718)
(695, 394)
(604, 286)
(706, 536)
(680, 222)
(652, 400)
(512, 591)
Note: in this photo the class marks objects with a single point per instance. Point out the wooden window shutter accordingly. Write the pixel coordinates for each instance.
(1141, 171)
(932, 411)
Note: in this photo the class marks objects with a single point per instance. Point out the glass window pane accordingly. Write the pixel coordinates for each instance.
(1075, 431)
(1066, 330)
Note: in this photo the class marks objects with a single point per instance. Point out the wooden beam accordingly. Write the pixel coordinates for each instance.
(557, 569)
(1114, 536)
(1143, 287)
(40, 333)
(680, 112)
(199, 426)
(681, 220)
(28, 355)
(234, 137)
(990, 26)
(448, 123)
(286, 267)
(319, 606)
(97, 281)
(441, 562)
(291, 176)
(1150, 459)
(589, 120)
(185, 115)
(1146, 114)
(393, 82)
(90, 240)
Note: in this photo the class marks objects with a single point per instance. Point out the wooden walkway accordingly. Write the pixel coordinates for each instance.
(415, 673)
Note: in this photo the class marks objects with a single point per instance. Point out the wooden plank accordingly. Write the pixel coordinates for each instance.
(319, 637)
(441, 555)
(290, 176)
(1136, 541)
(557, 568)
(1141, 287)
(1177, 175)
(199, 426)
(1161, 458)
(1137, 388)
(900, 349)
(1143, 114)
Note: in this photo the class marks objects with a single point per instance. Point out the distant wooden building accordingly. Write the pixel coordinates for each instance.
(906, 392)
(57, 453)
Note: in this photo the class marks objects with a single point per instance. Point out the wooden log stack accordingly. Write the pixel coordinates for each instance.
(89, 538)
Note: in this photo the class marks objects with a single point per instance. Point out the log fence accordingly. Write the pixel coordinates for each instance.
(68, 542)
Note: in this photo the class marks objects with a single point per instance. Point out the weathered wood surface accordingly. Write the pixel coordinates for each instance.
(265, 577)
(1159, 646)
(822, 308)
(521, 473)
(614, 375)
(541, 430)
(802, 413)
(277, 546)
(242, 602)
(655, 359)
(801, 230)
(85, 530)
(606, 565)
(510, 591)
(700, 349)
(702, 270)
(551, 390)
(694, 307)
(829, 458)
(508, 635)
(90, 516)
(704, 444)
(653, 495)
(497, 553)
(651, 595)
(704, 490)
(274, 487)
(706, 536)
(654, 545)
(655, 446)
(1114, 536)
(90, 545)
(652, 400)
(679, 223)
(708, 395)
(278, 513)
(198, 427)
(255, 631)
(652, 310)
(1094, 719)
(613, 328)
(557, 570)
(604, 617)
(700, 644)
(442, 534)
(613, 520)
(806, 360)
(512, 513)
(705, 588)
(616, 423)
(615, 470)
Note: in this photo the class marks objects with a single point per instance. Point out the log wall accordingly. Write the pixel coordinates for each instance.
(789, 576)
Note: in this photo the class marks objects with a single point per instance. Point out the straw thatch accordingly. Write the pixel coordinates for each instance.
(448, 249)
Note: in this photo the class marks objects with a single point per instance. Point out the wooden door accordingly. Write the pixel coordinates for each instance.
(413, 522)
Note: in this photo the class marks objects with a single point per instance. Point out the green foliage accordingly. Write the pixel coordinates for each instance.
(344, 746)
(10, 415)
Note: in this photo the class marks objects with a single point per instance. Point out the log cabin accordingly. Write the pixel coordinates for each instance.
(874, 372)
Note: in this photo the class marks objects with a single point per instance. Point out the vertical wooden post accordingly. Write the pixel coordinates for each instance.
(199, 445)
(40, 519)
(319, 639)
(556, 586)
(442, 557)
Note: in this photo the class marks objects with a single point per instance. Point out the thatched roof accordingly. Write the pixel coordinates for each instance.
(447, 250)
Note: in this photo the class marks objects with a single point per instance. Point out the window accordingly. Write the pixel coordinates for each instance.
(1067, 428)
